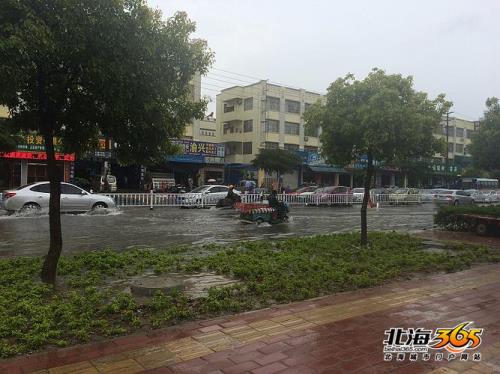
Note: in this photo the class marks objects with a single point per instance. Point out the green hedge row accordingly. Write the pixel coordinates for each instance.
(451, 217)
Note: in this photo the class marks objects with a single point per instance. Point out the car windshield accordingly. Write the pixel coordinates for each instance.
(402, 190)
(200, 189)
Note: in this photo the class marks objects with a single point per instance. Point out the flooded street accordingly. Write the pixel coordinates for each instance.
(138, 227)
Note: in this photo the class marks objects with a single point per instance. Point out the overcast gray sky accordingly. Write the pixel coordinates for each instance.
(449, 46)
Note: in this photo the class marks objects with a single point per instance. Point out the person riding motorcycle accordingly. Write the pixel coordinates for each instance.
(281, 208)
(230, 199)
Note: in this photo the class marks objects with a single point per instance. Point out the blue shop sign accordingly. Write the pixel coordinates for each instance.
(196, 159)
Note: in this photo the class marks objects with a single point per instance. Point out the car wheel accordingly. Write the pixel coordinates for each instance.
(30, 208)
(481, 229)
(259, 221)
(99, 205)
(455, 202)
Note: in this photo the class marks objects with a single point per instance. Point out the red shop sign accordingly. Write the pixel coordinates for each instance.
(37, 156)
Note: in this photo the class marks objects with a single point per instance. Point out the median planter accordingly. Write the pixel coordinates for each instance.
(93, 297)
(482, 220)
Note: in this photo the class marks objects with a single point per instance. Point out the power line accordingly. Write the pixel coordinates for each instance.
(244, 91)
(270, 81)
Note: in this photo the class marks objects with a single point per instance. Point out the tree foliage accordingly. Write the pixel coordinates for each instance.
(380, 118)
(485, 147)
(78, 69)
(276, 160)
(8, 139)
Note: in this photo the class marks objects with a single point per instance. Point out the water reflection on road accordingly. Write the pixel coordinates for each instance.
(131, 227)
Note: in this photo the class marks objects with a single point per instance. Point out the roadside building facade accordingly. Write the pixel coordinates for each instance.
(264, 115)
(27, 163)
(457, 133)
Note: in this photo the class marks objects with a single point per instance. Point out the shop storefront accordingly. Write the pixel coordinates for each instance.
(27, 164)
(197, 163)
(316, 171)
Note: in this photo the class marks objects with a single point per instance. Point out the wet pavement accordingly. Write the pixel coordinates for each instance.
(342, 333)
(162, 227)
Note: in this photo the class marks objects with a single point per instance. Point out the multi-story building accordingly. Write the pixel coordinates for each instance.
(264, 115)
(457, 133)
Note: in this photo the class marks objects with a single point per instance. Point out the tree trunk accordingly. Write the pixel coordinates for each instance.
(366, 197)
(49, 270)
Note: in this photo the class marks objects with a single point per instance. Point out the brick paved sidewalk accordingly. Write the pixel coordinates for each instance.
(336, 334)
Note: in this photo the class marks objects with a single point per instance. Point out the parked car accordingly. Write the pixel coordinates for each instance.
(454, 197)
(405, 196)
(303, 190)
(332, 195)
(358, 194)
(205, 195)
(428, 195)
(478, 196)
(492, 196)
(34, 197)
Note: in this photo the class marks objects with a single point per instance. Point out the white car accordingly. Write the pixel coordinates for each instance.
(34, 197)
(478, 196)
(491, 196)
(205, 195)
(358, 194)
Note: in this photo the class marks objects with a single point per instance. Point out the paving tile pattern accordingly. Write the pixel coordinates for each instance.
(335, 334)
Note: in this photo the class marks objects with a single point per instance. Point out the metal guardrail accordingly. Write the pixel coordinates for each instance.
(189, 201)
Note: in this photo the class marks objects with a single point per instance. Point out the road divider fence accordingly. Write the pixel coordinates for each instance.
(188, 200)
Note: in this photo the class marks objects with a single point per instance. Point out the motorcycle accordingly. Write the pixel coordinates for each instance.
(228, 203)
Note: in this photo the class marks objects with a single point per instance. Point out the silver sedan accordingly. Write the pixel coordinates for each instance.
(35, 197)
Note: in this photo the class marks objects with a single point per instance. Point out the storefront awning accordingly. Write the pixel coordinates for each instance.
(326, 169)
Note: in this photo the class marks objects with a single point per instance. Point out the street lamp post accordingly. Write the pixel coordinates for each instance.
(447, 149)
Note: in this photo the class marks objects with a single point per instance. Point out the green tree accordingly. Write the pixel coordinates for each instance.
(276, 160)
(485, 149)
(8, 140)
(381, 118)
(78, 69)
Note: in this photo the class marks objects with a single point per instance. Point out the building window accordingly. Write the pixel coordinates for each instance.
(459, 132)
(450, 147)
(292, 128)
(311, 149)
(272, 126)
(273, 103)
(291, 147)
(207, 132)
(272, 145)
(248, 125)
(292, 106)
(228, 108)
(314, 132)
(248, 103)
(306, 106)
(468, 133)
(247, 148)
(459, 148)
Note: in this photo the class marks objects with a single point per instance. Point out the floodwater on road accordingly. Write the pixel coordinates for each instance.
(162, 227)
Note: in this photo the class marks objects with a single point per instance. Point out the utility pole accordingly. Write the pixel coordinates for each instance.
(447, 149)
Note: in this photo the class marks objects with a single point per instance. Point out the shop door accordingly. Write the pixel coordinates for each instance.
(37, 173)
